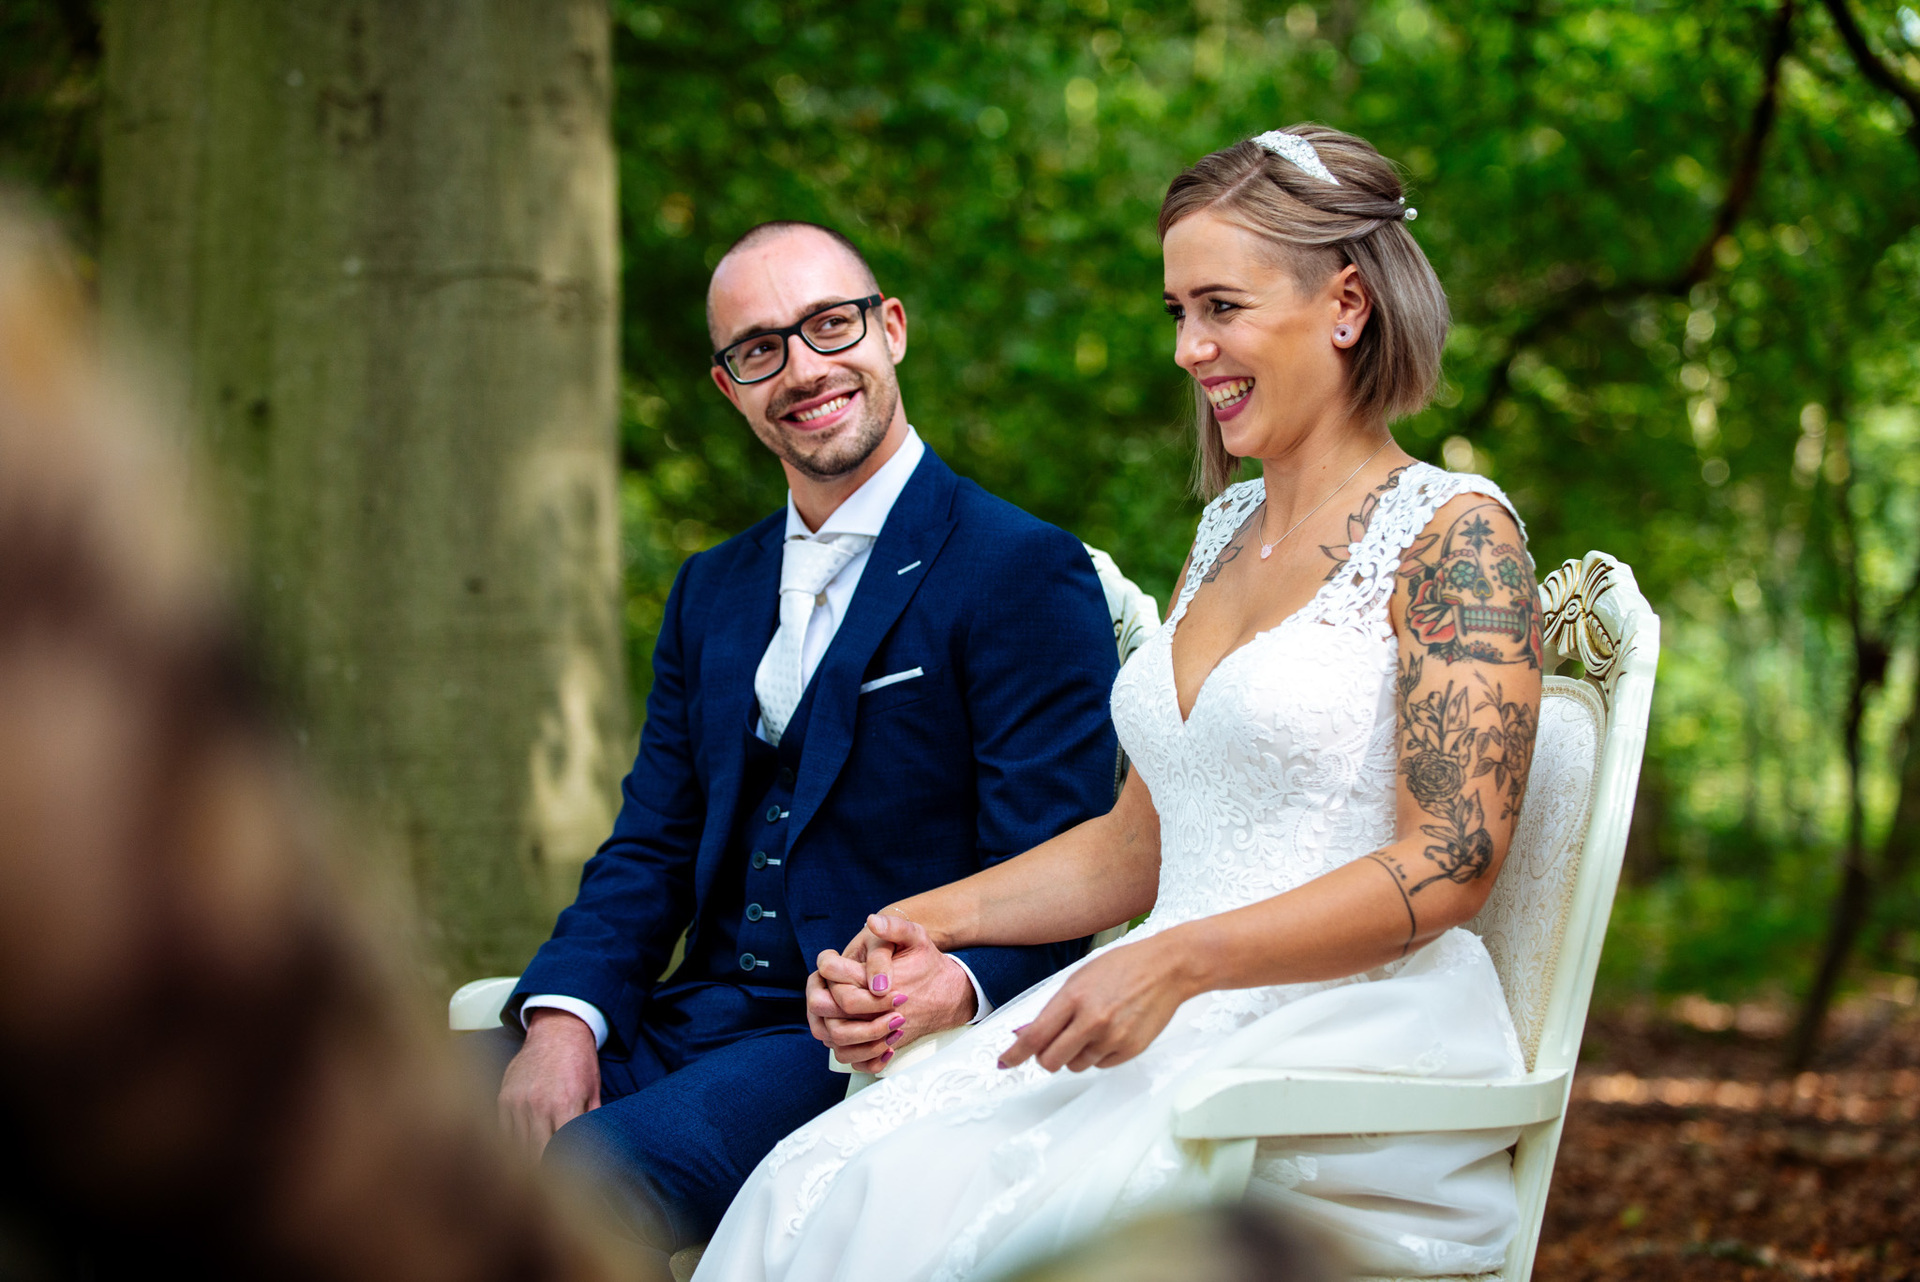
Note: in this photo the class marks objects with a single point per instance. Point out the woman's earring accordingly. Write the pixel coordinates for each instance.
(1343, 334)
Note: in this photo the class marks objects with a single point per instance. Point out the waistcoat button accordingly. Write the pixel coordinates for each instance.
(786, 775)
(773, 814)
(759, 859)
(755, 912)
(747, 961)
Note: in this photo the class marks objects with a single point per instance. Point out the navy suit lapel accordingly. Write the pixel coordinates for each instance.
(747, 612)
(915, 531)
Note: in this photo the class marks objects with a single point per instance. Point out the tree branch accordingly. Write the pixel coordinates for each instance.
(1746, 173)
(1903, 603)
(1741, 185)
(1874, 68)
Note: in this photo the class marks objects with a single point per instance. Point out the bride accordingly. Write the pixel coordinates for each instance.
(1330, 738)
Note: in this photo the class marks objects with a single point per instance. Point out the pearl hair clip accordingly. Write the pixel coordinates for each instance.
(1294, 148)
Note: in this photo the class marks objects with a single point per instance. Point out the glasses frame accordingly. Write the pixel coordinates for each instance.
(798, 329)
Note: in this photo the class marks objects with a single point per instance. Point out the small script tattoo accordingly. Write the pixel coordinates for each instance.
(1399, 875)
(1474, 598)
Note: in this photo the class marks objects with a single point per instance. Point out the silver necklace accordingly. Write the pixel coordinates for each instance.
(1266, 549)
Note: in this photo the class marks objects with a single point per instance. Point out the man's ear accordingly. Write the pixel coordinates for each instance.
(893, 328)
(725, 384)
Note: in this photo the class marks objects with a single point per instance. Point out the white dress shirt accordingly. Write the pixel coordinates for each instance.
(865, 511)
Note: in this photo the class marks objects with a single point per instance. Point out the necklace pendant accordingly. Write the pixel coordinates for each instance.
(1266, 550)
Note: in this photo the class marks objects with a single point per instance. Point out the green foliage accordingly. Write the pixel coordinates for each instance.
(1700, 404)
(1727, 937)
(1693, 352)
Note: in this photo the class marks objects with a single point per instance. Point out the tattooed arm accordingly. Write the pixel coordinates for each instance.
(1466, 702)
(1466, 699)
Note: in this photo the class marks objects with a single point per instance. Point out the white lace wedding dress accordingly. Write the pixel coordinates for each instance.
(1285, 769)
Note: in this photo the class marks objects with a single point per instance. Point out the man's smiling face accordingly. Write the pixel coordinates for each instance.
(822, 415)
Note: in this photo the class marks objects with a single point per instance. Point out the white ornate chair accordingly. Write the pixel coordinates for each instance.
(477, 1006)
(1543, 923)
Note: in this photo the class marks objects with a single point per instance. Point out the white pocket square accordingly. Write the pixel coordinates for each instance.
(892, 679)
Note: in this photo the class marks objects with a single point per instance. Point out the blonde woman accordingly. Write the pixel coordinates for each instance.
(1330, 739)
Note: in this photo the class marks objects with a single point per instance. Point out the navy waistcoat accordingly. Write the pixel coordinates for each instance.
(744, 934)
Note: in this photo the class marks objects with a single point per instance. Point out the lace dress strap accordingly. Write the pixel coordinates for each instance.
(1359, 594)
(1223, 517)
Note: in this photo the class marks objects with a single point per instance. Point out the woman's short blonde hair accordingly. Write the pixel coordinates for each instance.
(1320, 227)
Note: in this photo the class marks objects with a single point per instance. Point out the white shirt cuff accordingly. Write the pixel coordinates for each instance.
(588, 1013)
(981, 1006)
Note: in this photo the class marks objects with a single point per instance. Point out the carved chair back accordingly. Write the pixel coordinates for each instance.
(1546, 918)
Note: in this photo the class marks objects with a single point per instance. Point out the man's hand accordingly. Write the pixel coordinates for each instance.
(891, 986)
(554, 1079)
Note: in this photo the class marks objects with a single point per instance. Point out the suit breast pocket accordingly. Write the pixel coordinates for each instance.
(888, 690)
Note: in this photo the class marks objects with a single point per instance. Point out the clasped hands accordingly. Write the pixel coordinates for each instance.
(893, 984)
(890, 986)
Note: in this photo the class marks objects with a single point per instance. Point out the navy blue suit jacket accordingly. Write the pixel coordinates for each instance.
(1004, 741)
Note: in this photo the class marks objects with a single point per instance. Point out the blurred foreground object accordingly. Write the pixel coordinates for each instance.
(374, 248)
(205, 1066)
(1241, 1243)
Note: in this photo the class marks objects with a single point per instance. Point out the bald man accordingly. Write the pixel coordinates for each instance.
(891, 683)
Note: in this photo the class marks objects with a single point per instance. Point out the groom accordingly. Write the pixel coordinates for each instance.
(892, 683)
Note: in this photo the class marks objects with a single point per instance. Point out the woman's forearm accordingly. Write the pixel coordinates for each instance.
(1093, 876)
(1343, 923)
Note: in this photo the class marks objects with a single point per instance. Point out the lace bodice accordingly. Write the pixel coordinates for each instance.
(1284, 769)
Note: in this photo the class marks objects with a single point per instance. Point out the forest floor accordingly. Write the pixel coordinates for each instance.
(1688, 1154)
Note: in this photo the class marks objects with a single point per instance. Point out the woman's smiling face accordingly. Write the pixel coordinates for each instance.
(1262, 346)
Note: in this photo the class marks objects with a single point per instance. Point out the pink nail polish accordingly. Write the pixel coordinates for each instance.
(898, 1021)
(886, 1057)
(899, 999)
(1001, 1063)
(879, 983)
(894, 1036)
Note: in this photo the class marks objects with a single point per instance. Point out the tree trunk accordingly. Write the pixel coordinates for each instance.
(375, 246)
(1853, 902)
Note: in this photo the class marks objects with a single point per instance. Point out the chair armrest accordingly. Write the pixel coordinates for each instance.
(910, 1054)
(477, 1006)
(1250, 1103)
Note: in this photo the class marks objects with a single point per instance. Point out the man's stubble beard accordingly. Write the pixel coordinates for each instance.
(848, 449)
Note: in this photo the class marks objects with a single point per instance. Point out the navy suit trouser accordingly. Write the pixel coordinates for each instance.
(717, 1077)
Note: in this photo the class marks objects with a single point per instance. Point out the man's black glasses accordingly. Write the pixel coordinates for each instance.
(758, 357)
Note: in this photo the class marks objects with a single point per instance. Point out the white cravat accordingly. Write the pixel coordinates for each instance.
(806, 567)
